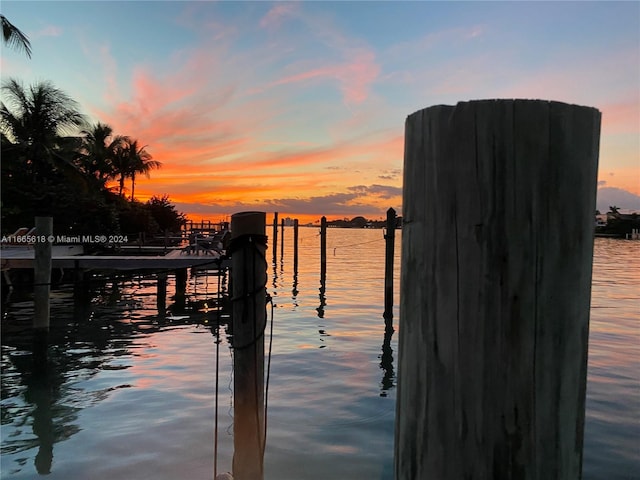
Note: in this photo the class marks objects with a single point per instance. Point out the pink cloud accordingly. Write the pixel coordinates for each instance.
(354, 76)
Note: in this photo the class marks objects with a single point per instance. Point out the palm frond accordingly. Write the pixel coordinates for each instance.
(13, 37)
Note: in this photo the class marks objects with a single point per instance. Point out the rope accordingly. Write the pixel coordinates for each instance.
(215, 443)
(266, 391)
(353, 245)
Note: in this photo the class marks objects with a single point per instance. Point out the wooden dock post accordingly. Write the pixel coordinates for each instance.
(390, 240)
(275, 236)
(161, 297)
(281, 239)
(42, 272)
(295, 247)
(497, 248)
(81, 290)
(249, 278)
(323, 267)
(323, 247)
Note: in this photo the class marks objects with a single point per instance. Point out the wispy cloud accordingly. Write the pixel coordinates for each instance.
(47, 31)
(278, 14)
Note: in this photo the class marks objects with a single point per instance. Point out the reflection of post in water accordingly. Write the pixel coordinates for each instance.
(386, 363)
(40, 393)
(181, 289)
(275, 235)
(274, 283)
(323, 298)
(81, 292)
(281, 244)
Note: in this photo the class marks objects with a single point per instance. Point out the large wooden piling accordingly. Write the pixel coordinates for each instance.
(249, 277)
(42, 272)
(390, 240)
(497, 250)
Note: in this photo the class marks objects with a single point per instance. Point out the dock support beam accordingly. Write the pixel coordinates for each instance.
(181, 288)
(42, 272)
(497, 248)
(249, 278)
(161, 297)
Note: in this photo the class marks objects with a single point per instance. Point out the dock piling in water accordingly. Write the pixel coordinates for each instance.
(249, 278)
(275, 236)
(295, 247)
(42, 272)
(497, 250)
(389, 237)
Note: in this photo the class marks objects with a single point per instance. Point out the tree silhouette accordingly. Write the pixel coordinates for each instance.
(130, 160)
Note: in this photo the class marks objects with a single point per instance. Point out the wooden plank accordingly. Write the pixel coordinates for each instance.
(114, 262)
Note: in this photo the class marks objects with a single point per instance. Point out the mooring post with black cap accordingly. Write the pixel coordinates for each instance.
(249, 278)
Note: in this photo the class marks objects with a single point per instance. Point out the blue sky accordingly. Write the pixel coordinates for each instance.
(299, 107)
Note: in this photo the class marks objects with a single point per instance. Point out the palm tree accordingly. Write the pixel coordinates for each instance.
(131, 160)
(38, 121)
(100, 147)
(13, 37)
(37, 124)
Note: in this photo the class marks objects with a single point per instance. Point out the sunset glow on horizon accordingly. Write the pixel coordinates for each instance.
(299, 107)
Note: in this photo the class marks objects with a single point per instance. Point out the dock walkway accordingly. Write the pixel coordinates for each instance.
(23, 257)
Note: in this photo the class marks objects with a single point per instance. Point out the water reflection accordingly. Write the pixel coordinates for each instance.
(47, 379)
(323, 289)
(386, 363)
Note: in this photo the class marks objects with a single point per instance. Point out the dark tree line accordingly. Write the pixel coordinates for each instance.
(55, 163)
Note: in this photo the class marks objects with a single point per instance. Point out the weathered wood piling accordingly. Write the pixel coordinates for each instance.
(497, 250)
(390, 241)
(42, 272)
(161, 297)
(249, 278)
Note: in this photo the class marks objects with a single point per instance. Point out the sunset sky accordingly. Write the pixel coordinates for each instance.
(299, 107)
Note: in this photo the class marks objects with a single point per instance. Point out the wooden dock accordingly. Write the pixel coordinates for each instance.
(24, 257)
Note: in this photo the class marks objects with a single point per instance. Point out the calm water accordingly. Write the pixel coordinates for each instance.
(130, 395)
